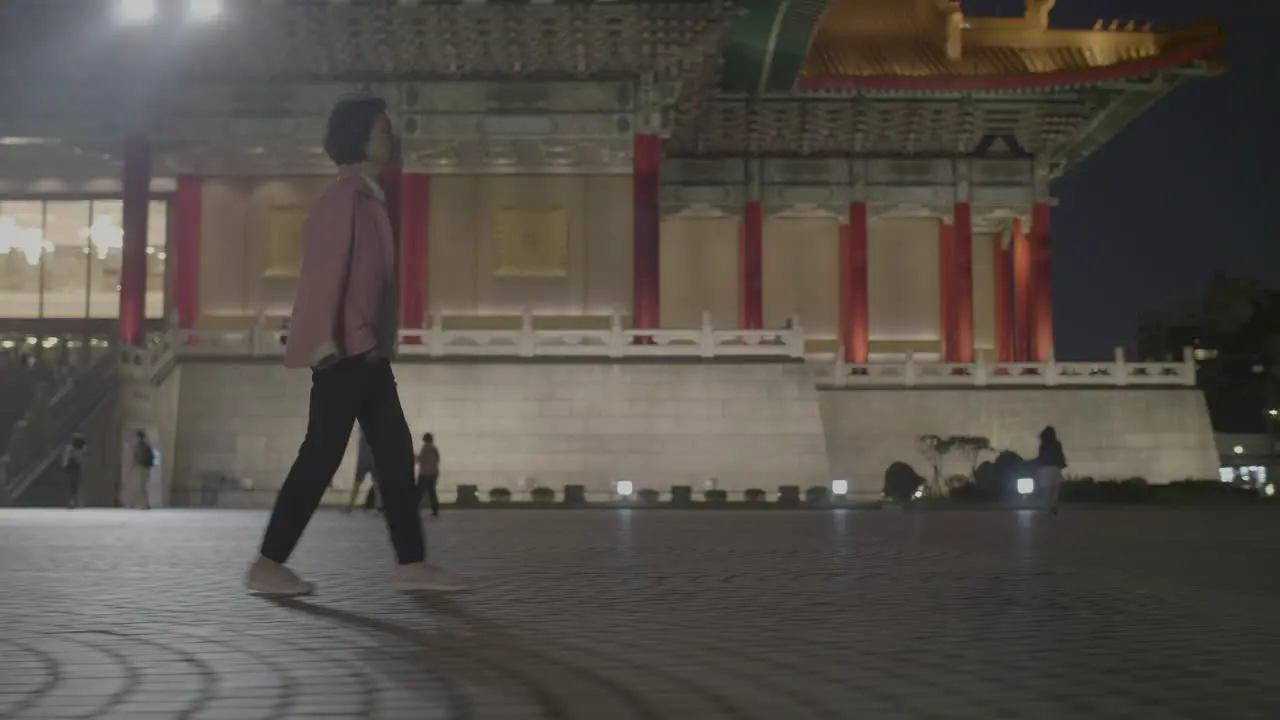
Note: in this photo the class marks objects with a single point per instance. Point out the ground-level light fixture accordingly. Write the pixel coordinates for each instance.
(1026, 485)
(137, 12)
(204, 9)
(624, 488)
(144, 12)
(839, 487)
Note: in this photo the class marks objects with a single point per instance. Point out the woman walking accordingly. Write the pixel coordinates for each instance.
(344, 328)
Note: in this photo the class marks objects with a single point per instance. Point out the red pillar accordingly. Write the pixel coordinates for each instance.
(1021, 254)
(188, 203)
(855, 315)
(646, 210)
(751, 268)
(1004, 303)
(946, 287)
(415, 241)
(962, 283)
(1041, 285)
(133, 263)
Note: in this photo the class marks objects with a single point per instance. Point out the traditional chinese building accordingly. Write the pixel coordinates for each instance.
(874, 174)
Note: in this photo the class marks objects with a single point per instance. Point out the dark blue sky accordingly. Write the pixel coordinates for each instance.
(1190, 187)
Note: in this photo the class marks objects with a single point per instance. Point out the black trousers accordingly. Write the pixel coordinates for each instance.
(73, 486)
(427, 487)
(352, 390)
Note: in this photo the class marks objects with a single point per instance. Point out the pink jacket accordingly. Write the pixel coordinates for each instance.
(346, 241)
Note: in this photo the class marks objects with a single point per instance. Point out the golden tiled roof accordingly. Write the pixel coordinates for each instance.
(933, 39)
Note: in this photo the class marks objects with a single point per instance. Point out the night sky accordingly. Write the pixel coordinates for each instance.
(1188, 188)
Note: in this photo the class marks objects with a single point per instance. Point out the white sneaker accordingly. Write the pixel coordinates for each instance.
(421, 576)
(268, 577)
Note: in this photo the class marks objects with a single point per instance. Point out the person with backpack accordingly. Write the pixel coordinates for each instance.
(144, 459)
(72, 463)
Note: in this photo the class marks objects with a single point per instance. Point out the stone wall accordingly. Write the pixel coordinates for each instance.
(745, 424)
(1154, 433)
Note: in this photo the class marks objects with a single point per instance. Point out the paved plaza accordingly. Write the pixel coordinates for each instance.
(621, 615)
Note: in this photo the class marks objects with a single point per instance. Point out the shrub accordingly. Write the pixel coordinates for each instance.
(754, 495)
(499, 495)
(970, 493)
(681, 495)
(789, 495)
(648, 496)
(817, 495)
(716, 497)
(542, 494)
(901, 482)
(468, 496)
(575, 495)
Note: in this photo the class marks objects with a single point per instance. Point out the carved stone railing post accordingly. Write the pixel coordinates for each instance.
(980, 371)
(1120, 368)
(617, 337)
(838, 369)
(707, 337)
(795, 339)
(1050, 369)
(909, 370)
(528, 341)
(435, 335)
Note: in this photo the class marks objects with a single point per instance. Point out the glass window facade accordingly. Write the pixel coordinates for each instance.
(61, 258)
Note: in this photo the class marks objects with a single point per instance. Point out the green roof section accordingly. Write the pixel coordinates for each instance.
(768, 43)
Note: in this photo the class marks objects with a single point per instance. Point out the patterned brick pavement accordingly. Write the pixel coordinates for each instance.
(642, 615)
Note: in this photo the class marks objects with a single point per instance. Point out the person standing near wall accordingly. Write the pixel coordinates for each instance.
(429, 472)
(365, 468)
(344, 329)
(1050, 462)
(72, 464)
(144, 459)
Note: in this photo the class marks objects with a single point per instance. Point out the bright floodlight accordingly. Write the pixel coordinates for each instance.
(205, 9)
(625, 488)
(1239, 449)
(137, 12)
(1026, 486)
(839, 487)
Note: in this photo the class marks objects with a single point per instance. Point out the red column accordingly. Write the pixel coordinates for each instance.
(962, 283)
(946, 287)
(1021, 252)
(186, 244)
(133, 264)
(1041, 285)
(855, 315)
(751, 268)
(1004, 303)
(645, 218)
(415, 241)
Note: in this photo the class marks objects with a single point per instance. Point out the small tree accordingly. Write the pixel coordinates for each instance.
(935, 448)
(971, 448)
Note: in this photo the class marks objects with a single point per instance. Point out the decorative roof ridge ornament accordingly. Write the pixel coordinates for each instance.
(954, 24)
(1038, 12)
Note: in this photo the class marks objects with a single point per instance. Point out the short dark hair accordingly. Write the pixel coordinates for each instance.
(428, 438)
(350, 125)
